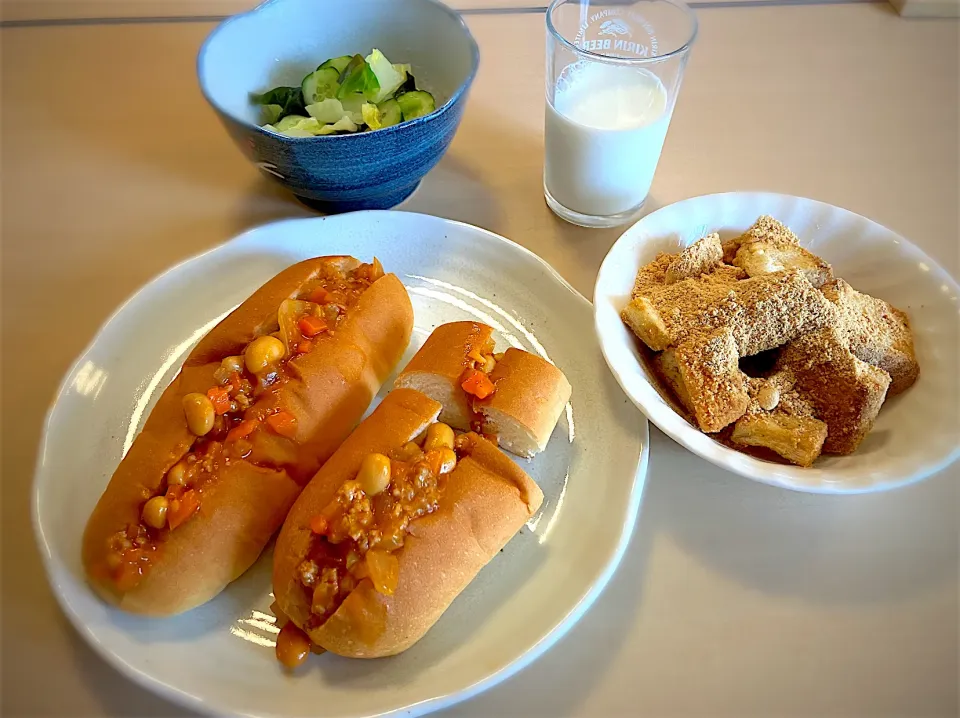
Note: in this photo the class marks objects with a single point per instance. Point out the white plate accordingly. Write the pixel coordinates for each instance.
(916, 434)
(219, 657)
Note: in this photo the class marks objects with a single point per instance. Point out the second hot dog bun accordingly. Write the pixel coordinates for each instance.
(400, 417)
(484, 502)
(327, 392)
(529, 395)
(487, 500)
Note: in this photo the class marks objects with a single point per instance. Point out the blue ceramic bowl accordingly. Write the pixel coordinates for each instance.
(280, 41)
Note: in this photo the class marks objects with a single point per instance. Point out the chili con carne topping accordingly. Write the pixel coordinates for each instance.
(357, 535)
(229, 420)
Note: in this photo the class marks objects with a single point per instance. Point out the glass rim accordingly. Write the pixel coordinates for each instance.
(628, 61)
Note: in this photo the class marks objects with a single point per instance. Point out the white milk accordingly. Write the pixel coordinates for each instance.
(604, 132)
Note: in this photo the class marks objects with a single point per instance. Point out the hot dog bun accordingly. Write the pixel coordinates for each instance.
(436, 369)
(484, 502)
(487, 500)
(529, 395)
(326, 390)
(403, 415)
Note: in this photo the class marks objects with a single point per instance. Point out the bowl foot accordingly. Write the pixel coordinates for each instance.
(384, 201)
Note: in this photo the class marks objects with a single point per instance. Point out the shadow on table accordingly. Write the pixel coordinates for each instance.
(266, 201)
(591, 245)
(597, 638)
(454, 190)
(829, 549)
(118, 696)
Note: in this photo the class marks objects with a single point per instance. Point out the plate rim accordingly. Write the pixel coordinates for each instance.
(723, 456)
(52, 564)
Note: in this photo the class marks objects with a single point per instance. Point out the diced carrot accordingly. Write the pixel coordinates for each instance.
(241, 430)
(219, 396)
(183, 508)
(478, 384)
(319, 296)
(284, 423)
(319, 524)
(174, 492)
(304, 346)
(310, 325)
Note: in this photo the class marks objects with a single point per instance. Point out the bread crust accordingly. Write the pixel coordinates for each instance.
(531, 392)
(328, 391)
(436, 369)
(486, 500)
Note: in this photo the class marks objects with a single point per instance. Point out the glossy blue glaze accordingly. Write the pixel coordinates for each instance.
(280, 41)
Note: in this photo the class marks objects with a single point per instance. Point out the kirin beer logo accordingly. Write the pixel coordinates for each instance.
(615, 27)
(613, 31)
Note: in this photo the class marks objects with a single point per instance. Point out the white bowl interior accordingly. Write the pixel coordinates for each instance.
(282, 40)
(916, 433)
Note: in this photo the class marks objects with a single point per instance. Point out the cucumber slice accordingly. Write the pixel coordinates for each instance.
(390, 113)
(359, 77)
(337, 63)
(320, 85)
(416, 104)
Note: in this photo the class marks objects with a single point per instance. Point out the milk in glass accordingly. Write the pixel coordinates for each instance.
(604, 133)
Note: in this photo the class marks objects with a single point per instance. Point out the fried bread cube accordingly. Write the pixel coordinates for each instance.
(645, 321)
(666, 366)
(798, 439)
(763, 312)
(701, 257)
(877, 333)
(768, 311)
(846, 393)
(652, 274)
(766, 228)
(768, 256)
(716, 387)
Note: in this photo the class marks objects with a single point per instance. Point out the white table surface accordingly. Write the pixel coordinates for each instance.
(735, 599)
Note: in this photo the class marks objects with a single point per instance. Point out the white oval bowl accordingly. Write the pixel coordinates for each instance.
(916, 433)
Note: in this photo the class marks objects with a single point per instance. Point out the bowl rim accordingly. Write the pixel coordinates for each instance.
(266, 4)
(783, 476)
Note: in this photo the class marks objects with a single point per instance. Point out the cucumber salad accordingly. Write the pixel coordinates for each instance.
(346, 94)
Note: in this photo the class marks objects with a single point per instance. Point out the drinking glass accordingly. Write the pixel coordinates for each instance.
(613, 74)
